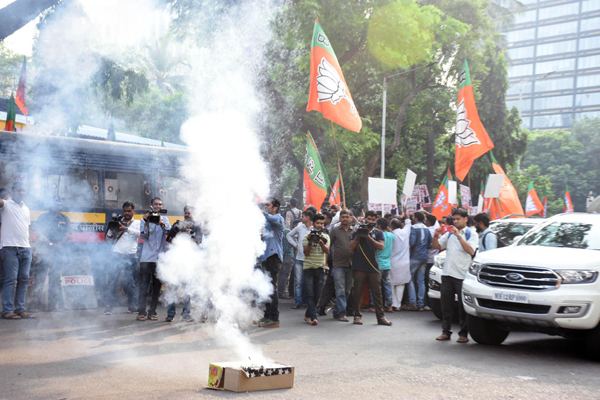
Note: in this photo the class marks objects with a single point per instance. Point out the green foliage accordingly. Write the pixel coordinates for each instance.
(118, 83)
(10, 70)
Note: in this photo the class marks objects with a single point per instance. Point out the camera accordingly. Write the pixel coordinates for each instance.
(182, 226)
(364, 229)
(315, 236)
(115, 222)
(154, 215)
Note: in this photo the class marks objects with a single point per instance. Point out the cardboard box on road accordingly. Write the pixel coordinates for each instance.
(237, 377)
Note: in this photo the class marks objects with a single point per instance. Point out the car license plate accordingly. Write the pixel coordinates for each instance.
(512, 297)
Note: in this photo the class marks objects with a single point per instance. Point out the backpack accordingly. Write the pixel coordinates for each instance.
(297, 217)
(500, 242)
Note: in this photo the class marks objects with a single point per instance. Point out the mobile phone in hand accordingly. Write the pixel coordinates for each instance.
(446, 228)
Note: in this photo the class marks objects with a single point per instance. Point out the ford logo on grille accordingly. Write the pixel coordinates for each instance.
(514, 277)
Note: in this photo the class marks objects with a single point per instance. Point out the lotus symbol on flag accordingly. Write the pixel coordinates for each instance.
(530, 205)
(440, 201)
(465, 136)
(330, 86)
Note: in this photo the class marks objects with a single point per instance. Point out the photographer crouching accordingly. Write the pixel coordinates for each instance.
(154, 233)
(186, 227)
(123, 232)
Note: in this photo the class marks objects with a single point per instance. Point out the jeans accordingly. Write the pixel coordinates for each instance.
(327, 291)
(374, 281)
(128, 266)
(147, 275)
(284, 275)
(272, 266)
(416, 286)
(171, 311)
(47, 265)
(386, 287)
(450, 287)
(343, 279)
(17, 263)
(315, 280)
(299, 282)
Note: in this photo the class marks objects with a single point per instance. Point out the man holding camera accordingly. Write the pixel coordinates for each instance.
(124, 233)
(460, 244)
(272, 259)
(316, 248)
(193, 231)
(295, 238)
(340, 238)
(53, 230)
(365, 243)
(154, 233)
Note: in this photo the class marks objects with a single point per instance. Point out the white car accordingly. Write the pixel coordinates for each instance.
(508, 230)
(547, 282)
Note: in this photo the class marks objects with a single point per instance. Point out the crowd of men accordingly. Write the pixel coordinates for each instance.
(310, 255)
(53, 230)
(336, 253)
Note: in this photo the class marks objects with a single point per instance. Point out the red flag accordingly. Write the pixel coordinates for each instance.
(334, 198)
(472, 140)
(329, 93)
(568, 203)
(441, 207)
(22, 90)
(509, 202)
(533, 205)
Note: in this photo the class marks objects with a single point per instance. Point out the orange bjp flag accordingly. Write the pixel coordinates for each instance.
(329, 93)
(22, 89)
(568, 203)
(442, 207)
(334, 198)
(472, 140)
(533, 204)
(509, 202)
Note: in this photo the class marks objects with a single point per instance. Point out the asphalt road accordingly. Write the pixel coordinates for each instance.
(84, 354)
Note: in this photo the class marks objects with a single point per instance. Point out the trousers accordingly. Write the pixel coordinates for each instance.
(452, 286)
(147, 276)
(374, 281)
(272, 266)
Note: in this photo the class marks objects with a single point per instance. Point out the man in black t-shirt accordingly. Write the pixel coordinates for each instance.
(53, 230)
(366, 268)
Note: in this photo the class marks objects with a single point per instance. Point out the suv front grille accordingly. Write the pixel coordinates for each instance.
(517, 307)
(516, 277)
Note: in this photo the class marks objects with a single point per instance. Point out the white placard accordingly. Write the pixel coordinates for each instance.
(383, 191)
(494, 186)
(480, 204)
(409, 183)
(452, 192)
(465, 196)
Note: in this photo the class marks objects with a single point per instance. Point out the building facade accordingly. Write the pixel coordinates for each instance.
(554, 62)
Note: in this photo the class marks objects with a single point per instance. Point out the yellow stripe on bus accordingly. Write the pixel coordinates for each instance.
(75, 217)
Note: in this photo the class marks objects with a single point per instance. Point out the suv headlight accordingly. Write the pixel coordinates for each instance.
(577, 276)
(474, 268)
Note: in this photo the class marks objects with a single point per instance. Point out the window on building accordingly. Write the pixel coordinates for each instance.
(520, 70)
(587, 99)
(526, 104)
(551, 121)
(521, 34)
(527, 16)
(557, 29)
(589, 114)
(590, 5)
(553, 84)
(563, 10)
(520, 52)
(588, 62)
(556, 48)
(545, 103)
(556, 65)
(588, 80)
(515, 88)
(590, 24)
(589, 43)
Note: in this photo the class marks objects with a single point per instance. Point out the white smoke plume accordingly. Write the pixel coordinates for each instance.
(224, 176)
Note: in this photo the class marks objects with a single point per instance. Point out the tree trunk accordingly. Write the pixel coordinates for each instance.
(430, 158)
(19, 13)
(375, 159)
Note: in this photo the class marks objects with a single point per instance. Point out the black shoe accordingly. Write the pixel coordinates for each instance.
(321, 311)
(169, 318)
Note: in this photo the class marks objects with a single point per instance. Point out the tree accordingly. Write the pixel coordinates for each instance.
(10, 70)
(20, 12)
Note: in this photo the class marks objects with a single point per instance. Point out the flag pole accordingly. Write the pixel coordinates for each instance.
(339, 167)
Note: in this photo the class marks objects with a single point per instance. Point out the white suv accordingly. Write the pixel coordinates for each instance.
(508, 230)
(547, 282)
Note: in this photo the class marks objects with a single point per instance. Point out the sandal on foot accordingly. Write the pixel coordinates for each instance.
(153, 318)
(25, 315)
(307, 320)
(10, 315)
(463, 339)
(141, 317)
(314, 322)
(443, 337)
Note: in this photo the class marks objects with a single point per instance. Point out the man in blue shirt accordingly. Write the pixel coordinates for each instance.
(487, 239)
(420, 242)
(155, 243)
(272, 259)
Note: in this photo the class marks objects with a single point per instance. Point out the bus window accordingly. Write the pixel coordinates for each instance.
(79, 188)
(129, 187)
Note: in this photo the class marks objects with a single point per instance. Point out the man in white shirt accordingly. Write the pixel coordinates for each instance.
(295, 238)
(16, 253)
(400, 260)
(460, 244)
(124, 237)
